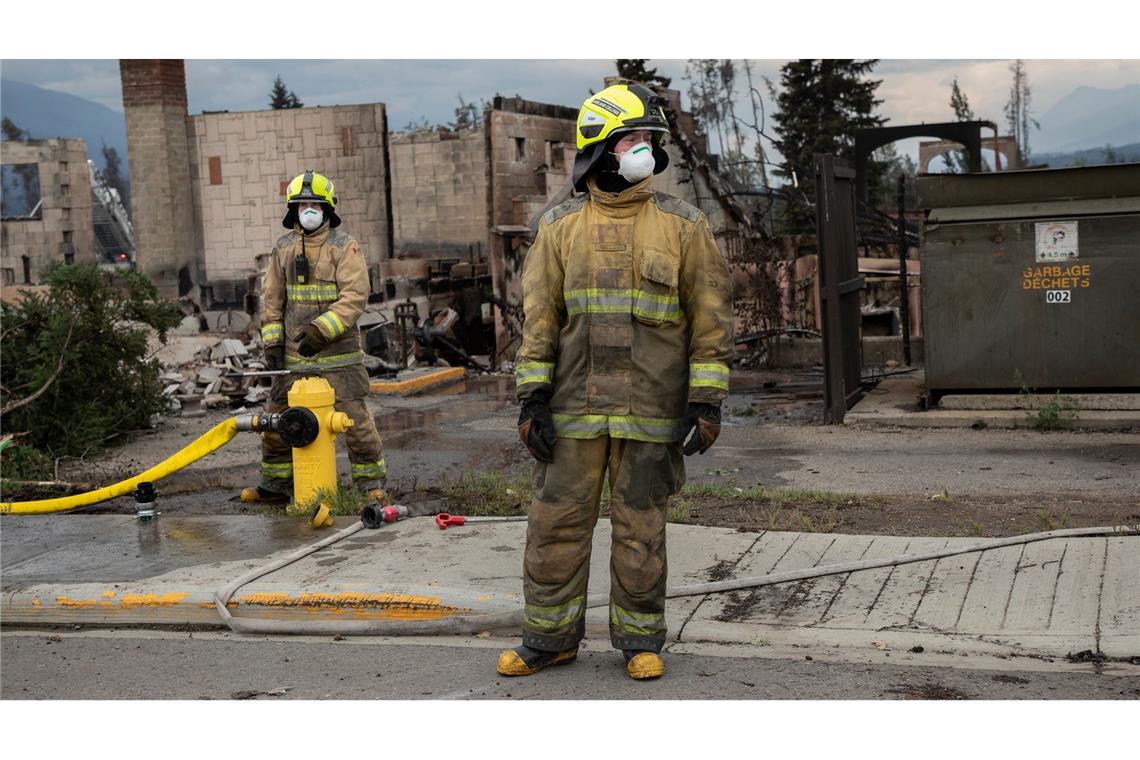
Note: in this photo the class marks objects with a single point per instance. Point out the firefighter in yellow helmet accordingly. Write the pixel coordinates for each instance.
(624, 361)
(315, 288)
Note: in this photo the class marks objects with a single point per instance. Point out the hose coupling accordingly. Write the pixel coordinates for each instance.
(375, 515)
(297, 425)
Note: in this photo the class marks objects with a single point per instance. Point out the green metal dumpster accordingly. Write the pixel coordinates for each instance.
(1031, 279)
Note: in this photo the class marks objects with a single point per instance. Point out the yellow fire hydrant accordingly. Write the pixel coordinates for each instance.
(314, 465)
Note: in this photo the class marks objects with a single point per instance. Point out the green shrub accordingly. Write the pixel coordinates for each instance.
(82, 347)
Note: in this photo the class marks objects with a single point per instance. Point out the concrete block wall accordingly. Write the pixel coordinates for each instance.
(65, 230)
(514, 165)
(521, 138)
(154, 105)
(241, 163)
(439, 192)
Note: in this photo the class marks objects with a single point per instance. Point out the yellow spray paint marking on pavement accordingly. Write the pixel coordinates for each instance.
(393, 606)
(152, 600)
(63, 601)
(36, 603)
(108, 594)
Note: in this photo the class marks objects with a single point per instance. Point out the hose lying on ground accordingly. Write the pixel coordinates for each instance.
(213, 439)
(473, 624)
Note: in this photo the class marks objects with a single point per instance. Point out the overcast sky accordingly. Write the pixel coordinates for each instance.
(913, 90)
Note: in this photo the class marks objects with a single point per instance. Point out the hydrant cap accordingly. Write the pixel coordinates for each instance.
(312, 392)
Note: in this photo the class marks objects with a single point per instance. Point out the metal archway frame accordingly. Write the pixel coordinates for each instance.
(968, 133)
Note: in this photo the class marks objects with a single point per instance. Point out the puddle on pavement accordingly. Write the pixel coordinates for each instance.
(108, 549)
(480, 396)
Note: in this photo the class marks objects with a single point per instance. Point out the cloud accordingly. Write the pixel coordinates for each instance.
(913, 90)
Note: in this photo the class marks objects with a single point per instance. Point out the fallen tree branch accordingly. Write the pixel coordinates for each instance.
(14, 405)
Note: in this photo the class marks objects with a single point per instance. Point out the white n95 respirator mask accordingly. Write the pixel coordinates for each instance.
(637, 163)
(311, 218)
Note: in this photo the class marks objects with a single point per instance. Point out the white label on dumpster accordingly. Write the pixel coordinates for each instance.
(1057, 241)
(1058, 296)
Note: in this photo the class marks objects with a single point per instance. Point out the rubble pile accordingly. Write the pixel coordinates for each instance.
(212, 377)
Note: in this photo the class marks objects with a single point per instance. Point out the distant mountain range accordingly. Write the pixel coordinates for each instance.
(46, 113)
(1089, 117)
(1121, 154)
(1076, 128)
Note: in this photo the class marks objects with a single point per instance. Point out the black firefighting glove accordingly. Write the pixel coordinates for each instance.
(311, 341)
(701, 426)
(536, 426)
(275, 357)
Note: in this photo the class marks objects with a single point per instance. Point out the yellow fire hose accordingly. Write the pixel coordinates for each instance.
(215, 438)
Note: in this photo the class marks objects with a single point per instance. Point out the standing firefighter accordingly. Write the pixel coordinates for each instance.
(315, 288)
(626, 344)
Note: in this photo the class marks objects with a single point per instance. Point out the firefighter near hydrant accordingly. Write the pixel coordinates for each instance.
(623, 365)
(315, 288)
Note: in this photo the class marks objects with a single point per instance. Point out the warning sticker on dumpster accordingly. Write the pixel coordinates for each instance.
(1057, 241)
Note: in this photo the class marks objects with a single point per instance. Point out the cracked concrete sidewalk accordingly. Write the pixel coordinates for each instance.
(1043, 600)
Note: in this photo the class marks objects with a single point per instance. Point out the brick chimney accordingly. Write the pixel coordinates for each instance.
(154, 101)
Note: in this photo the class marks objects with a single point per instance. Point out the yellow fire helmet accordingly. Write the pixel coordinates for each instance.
(619, 108)
(310, 187)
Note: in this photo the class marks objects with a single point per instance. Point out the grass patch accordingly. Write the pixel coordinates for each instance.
(341, 501)
(1046, 521)
(491, 494)
(967, 528)
(780, 497)
(781, 517)
(1059, 413)
(760, 508)
(679, 510)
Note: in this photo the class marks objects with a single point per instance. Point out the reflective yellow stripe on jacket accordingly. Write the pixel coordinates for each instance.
(652, 429)
(617, 301)
(273, 334)
(708, 375)
(331, 325)
(534, 372)
(318, 363)
(315, 293)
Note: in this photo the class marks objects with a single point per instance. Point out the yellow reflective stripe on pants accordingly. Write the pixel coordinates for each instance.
(312, 293)
(617, 301)
(651, 429)
(534, 372)
(323, 362)
(272, 333)
(708, 375)
(638, 623)
(558, 616)
(278, 470)
(331, 325)
(370, 470)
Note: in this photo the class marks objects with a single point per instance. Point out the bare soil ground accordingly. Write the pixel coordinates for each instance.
(775, 467)
(906, 516)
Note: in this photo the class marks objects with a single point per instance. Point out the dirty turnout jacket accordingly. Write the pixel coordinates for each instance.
(628, 314)
(333, 298)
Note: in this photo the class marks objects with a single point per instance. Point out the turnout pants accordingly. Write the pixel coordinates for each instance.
(365, 449)
(560, 530)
